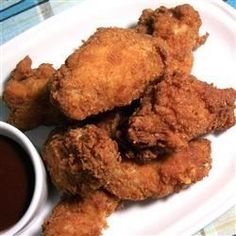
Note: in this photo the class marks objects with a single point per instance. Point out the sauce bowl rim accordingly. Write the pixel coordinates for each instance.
(40, 182)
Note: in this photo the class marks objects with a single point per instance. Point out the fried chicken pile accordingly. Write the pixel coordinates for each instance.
(131, 114)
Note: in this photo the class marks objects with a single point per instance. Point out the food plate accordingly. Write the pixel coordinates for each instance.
(190, 210)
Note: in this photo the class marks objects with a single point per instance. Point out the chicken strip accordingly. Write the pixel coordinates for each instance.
(27, 96)
(129, 180)
(179, 28)
(110, 70)
(76, 217)
(178, 109)
(114, 121)
(65, 170)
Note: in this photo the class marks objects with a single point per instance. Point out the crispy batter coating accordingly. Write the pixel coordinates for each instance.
(179, 28)
(114, 121)
(65, 170)
(179, 109)
(129, 180)
(80, 217)
(27, 96)
(110, 123)
(110, 70)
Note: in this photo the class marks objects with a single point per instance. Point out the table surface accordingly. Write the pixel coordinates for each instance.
(16, 16)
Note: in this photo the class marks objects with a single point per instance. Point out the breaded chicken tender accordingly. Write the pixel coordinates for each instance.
(110, 70)
(114, 121)
(66, 171)
(179, 28)
(80, 217)
(99, 154)
(26, 94)
(178, 109)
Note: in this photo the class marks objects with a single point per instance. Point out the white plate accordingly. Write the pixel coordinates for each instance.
(190, 210)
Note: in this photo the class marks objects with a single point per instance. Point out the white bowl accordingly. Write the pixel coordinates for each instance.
(40, 186)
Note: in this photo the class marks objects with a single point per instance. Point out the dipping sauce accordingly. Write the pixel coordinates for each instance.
(16, 182)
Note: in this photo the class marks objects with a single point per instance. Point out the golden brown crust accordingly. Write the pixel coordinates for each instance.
(179, 28)
(65, 170)
(80, 217)
(179, 109)
(26, 94)
(110, 70)
(129, 180)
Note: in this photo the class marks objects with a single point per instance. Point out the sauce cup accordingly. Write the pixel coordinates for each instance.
(40, 186)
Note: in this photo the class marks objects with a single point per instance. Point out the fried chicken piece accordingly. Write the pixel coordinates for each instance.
(110, 123)
(110, 70)
(179, 28)
(66, 171)
(27, 96)
(80, 217)
(114, 121)
(179, 109)
(129, 180)
(147, 154)
(116, 124)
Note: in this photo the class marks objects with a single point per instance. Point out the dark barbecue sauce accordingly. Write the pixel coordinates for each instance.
(16, 182)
